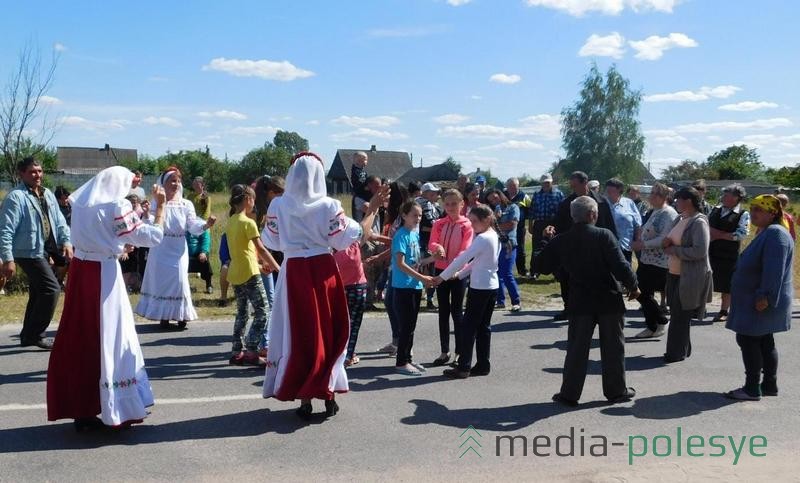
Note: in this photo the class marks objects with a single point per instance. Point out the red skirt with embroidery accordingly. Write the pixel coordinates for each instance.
(319, 326)
(73, 375)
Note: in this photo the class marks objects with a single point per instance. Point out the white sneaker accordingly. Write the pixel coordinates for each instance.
(659, 331)
(419, 367)
(516, 308)
(645, 334)
(2, 291)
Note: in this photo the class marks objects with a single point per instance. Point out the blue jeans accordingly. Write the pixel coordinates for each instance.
(505, 265)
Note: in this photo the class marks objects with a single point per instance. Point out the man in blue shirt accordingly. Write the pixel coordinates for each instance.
(541, 214)
(32, 229)
(627, 218)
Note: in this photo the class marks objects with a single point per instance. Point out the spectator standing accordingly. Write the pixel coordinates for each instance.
(136, 189)
(358, 181)
(542, 214)
(729, 225)
(701, 188)
(627, 219)
(523, 202)
(199, 250)
(786, 215)
(32, 228)
(635, 194)
(431, 211)
(507, 217)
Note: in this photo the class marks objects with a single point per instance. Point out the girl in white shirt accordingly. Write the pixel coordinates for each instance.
(479, 262)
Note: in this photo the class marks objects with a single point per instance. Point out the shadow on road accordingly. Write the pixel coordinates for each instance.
(504, 419)
(672, 406)
(54, 437)
(632, 363)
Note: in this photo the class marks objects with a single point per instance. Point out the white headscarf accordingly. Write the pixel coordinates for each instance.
(305, 185)
(110, 184)
(165, 176)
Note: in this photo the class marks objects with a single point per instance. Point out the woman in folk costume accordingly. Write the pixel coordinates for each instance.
(310, 320)
(96, 366)
(166, 292)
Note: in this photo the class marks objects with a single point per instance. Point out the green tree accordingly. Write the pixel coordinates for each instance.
(601, 133)
(199, 162)
(292, 142)
(267, 159)
(785, 176)
(453, 164)
(736, 162)
(688, 170)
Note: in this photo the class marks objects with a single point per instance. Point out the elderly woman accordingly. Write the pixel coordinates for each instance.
(653, 262)
(729, 226)
(689, 281)
(761, 292)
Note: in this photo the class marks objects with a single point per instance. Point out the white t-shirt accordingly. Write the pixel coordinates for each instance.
(482, 256)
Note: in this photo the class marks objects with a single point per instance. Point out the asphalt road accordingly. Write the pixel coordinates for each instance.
(209, 422)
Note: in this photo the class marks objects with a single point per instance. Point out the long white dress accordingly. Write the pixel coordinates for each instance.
(166, 293)
(123, 391)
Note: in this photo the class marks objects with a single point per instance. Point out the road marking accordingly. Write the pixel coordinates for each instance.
(166, 401)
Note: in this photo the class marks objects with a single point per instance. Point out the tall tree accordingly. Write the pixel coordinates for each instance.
(737, 162)
(601, 133)
(22, 112)
(292, 142)
(268, 159)
(453, 164)
(688, 170)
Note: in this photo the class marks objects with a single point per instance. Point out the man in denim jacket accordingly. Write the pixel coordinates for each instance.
(31, 229)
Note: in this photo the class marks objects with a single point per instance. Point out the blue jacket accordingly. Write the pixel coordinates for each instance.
(21, 224)
(764, 269)
(199, 244)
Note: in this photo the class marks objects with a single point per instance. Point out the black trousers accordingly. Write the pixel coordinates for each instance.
(522, 267)
(203, 268)
(612, 354)
(652, 279)
(450, 295)
(477, 329)
(42, 297)
(406, 304)
(538, 242)
(679, 342)
(759, 354)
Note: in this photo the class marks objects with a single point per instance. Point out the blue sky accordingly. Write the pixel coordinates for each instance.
(483, 81)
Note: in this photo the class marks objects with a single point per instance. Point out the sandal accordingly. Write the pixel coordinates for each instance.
(304, 411)
(407, 372)
(352, 361)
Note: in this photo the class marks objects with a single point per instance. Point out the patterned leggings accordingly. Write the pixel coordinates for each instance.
(251, 291)
(356, 300)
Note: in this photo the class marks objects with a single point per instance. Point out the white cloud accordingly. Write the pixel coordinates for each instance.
(578, 8)
(401, 32)
(501, 78)
(757, 125)
(366, 134)
(653, 47)
(458, 3)
(703, 94)
(543, 125)
(204, 124)
(612, 45)
(223, 114)
(670, 139)
(512, 144)
(50, 100)
(59, 47)
(451, 118)
(253, 130)
(161, 121)
(265, 69)
(357, 121)
(747, 106)
(478, 130)
(83, 123)
(313, 122)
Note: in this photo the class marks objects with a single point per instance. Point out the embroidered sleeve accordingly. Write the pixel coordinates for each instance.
(269, 235)
(342, 231)
(126, 223)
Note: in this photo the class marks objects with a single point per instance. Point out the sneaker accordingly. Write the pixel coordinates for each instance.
(741, 395)
(645, 334)
(660, 330)
(209, 290)
(251, 358)
(721, 316)
(419, 367)
(500, 306)
(2, 291)
(516, 308)
(42, 343)
(237, 359)
(626, 396)
(455, 373)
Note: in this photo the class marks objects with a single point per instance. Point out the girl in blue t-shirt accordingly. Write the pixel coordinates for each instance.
(407, 284)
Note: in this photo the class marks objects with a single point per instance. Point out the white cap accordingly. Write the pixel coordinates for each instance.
(594, 184)
(429, 187)
(546, 178)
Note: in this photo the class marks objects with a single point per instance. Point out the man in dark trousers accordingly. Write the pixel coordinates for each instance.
(358, 183)
(593, 262)
(579, 183)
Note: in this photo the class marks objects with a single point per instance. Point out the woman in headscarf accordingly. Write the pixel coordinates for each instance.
(96, 366)
(310, 320)
(761, 298)
(166, 293)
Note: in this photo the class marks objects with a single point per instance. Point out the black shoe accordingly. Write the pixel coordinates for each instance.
(626, 396)
(479, 371)
(499, 306)
(561, 315)
(331, 408)
(557, 397)
(769, 389)
(42, 343)
(455, 373)
(441, 360)
(181, 325)
(431, 306)
(84, 425)
(671, 360)
(164, 324)
(305, 411)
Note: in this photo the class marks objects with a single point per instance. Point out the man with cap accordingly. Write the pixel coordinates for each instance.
(542, 213)
(431, 211)
(480, 181)
(579, 183)
(523, 202)
(594, 186)
(729, 225)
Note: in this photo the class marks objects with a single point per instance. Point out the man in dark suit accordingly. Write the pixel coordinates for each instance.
(579, 183)
(592, 260)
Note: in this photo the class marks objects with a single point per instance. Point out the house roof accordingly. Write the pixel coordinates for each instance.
(437, 172)
(72, 158)
(386, 164)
